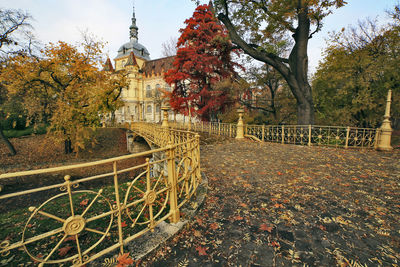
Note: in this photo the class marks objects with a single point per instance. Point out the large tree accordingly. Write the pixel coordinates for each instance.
(252, 24)
(203, 59)
(14, 38)
(360, 66)
(65, 88)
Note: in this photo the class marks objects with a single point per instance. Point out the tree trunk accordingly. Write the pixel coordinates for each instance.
(8, 143)
(294, 69)
(67, 146)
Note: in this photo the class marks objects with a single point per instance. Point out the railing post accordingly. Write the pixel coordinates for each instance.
(172, 182)
(230, 130)
(219, 128)
(262, 132)
(386, 130)
(197, 156)
(346, 145)
(165, 109)
(240, 125)
(309, 135)
(283, 134)
(118, 204)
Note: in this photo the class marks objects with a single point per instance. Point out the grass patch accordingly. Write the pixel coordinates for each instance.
(13, 133)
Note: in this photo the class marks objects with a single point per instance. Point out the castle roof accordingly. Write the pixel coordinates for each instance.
(158, 66)
(131, 60)
(133, 45)
(108, 65)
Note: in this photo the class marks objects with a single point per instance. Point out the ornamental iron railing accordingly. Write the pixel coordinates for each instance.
(76, 218)
(346, 137)
(311, 135)
(217, 128)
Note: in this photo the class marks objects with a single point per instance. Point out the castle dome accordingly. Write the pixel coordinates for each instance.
(138, 50)
(133, 45)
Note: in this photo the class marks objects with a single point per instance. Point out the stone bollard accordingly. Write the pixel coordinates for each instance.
(240, 125)
(165, 109)
(386, 129)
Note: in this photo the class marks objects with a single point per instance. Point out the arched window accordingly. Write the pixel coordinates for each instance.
(158, 91)
(158, 108)
(148, 108)
(148, 91)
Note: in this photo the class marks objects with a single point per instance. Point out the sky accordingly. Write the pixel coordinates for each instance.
(158, 21)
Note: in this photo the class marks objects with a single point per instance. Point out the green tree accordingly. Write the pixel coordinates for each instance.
(65, 88)
(360, 66)
(253, 24)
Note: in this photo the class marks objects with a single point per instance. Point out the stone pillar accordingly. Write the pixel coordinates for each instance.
(165, 109)
(240, 125)
(386, 129)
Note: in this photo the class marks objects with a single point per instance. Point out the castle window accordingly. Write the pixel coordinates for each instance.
(149, 109)
(148, 91)
(158, 91)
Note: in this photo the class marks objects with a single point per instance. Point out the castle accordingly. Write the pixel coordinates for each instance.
(142, 98)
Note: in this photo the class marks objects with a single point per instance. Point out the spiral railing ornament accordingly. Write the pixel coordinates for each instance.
(72, 227)
(186, 183)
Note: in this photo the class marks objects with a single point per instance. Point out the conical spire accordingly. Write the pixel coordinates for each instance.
(133, 28)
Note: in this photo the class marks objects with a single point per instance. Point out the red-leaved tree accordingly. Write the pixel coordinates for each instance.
(203, 59)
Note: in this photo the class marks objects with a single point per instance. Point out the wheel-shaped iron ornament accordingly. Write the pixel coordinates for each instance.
(74, 228)
(186, 183)
(146, 198)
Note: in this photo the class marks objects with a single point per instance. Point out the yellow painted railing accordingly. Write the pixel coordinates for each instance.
(217, 128)
(97, 214)
(315, 135)
(311, 135)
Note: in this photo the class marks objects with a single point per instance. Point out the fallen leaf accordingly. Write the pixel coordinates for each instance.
(197, 233)
(238, 218)
(63, 251)
(124, 260)
(84, 202)
(70, 238)
(244, 205)
(214, 226)
(202, 251)
(265, 227)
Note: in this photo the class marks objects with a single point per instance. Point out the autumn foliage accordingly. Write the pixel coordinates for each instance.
(65, 88)
(203, 59)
